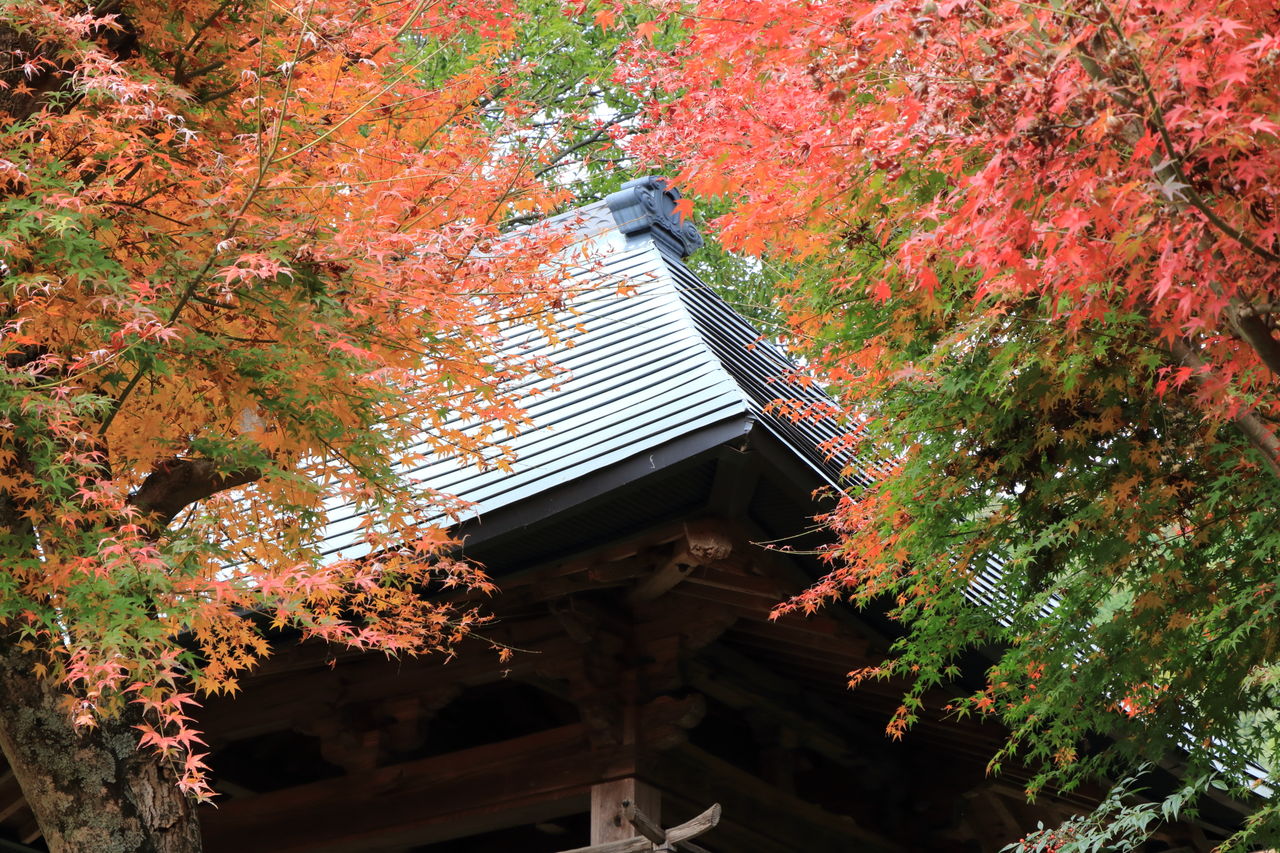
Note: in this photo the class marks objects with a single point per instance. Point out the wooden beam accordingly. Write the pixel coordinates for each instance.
(728, 672)
(643, 824)
(693, 623)
(734, 484)
(12, 807)
(10, 796)
(599, 576)
(582, 561)
(539, 777)
(293, 699)
(720, 575)
(815, 731)
(708, 820)
(785, 569)
(758, 807)
(639, 844)
(664, 578)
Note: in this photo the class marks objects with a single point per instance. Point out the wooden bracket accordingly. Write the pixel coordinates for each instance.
(705, 541)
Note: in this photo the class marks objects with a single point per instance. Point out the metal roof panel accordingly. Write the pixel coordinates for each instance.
(649, 353)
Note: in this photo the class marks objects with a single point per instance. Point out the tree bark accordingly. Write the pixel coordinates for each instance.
(92, 790)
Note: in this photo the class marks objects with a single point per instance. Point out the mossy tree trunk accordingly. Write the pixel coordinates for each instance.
(92, 790)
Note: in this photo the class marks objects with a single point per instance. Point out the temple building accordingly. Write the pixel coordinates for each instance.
(632, 545)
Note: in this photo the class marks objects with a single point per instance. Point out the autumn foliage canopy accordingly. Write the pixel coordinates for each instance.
(249, 274)
(1033, 248)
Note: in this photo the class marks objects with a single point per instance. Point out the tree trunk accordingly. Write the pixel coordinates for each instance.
(92, 791)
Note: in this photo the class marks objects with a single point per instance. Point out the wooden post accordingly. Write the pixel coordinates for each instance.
(607, 820)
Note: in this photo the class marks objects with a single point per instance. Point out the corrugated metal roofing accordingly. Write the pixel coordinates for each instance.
(638, 374)
(641, 370)
(765, 376)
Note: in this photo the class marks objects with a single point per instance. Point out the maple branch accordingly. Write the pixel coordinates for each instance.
(1256, 332)
(14, 522)
(1192, 195)
(1244, 318)
(1258, 433)
(359, 111)
(179, 64)
(149, 211)
(189, 292)
(176, 483)
(1175, 159)
(22, 98)
(599, 135)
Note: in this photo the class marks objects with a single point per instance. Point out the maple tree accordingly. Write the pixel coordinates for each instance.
(1038, 250)
(251, 272)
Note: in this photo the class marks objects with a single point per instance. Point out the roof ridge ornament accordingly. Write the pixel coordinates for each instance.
(649, 204)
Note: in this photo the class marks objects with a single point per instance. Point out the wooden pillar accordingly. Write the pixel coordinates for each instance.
(607, 822)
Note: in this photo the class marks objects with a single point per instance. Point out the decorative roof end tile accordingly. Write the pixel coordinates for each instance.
(649, 204)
